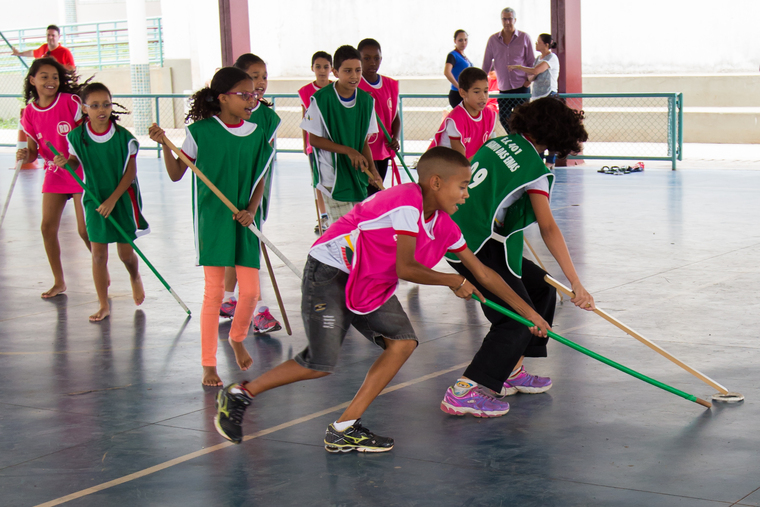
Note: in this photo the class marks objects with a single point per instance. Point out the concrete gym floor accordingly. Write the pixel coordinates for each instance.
(114, 413)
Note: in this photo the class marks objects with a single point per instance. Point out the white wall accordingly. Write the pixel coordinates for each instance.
(191, 31)
(415, 35)
(670, 36)
(17, 14)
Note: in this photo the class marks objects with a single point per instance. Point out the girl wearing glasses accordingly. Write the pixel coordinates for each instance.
(235, 155)
(106, 152)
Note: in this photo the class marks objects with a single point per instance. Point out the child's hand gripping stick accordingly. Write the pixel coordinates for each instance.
(121, 231)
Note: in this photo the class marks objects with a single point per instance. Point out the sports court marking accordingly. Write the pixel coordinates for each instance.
(208, 450)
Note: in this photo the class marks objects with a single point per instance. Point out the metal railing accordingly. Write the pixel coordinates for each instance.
(93, 45)
(621, 126)
(630, 126)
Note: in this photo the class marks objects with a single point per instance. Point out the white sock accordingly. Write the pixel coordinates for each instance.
(261, 307)
(228, 296)
(343, 426)
(463, 385)
(516, 372)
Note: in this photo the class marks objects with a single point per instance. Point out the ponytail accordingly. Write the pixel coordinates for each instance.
(205, 102)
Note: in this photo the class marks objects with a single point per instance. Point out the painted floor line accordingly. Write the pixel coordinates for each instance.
(202, 452)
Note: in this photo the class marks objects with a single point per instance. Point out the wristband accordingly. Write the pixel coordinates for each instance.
(464, 279)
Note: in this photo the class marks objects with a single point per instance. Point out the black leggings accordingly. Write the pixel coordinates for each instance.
(454, 98)
(508, 340)
(382, 168)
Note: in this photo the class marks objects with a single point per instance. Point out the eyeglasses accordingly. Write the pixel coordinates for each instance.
(95, 107)
(244, 95)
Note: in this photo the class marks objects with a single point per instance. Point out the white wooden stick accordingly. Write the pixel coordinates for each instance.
(701, 376)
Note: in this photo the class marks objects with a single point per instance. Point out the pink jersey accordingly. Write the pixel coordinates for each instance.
(473, 132)
(305, 93)
(52, 124)
(369, 243)
(385, 94)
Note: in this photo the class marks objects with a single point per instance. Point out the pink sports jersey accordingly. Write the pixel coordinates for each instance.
(370, 254)
(473, 132)
(305, 93)
(52, 124)
(386, 107)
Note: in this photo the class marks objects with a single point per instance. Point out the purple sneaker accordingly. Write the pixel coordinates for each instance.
(526, 383)
(228, 308)
(478, 401)
(264, 322)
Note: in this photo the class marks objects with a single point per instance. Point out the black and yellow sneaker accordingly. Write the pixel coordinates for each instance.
(231, 403)
(355, 438)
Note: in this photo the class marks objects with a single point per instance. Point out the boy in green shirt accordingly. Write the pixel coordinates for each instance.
(339, 119)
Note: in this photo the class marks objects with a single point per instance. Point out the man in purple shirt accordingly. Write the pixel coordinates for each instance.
(509, 47)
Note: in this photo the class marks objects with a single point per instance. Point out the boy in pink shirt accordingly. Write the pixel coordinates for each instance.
(385, 92)
(349, 279)
(321, 65)
(469, 125)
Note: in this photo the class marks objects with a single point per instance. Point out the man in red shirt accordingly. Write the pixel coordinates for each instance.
(51, 48)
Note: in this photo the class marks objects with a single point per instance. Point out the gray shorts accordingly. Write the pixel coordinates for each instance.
(336, 209)
(326, 318)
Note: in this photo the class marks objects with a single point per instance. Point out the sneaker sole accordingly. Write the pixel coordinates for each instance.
(222, 433)
(451, 409)
(272, 329)
(338, 449)
(533, 390)
(508, 391)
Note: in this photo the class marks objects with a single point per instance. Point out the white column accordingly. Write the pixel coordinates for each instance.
(138, 60)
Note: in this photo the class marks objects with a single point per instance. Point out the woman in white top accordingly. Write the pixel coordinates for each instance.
(545, 72)
(544, 75)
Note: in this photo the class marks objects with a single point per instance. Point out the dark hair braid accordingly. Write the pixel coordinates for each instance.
(205, 102)
(100, 87)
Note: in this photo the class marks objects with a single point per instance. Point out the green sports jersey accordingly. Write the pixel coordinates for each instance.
(104, 159)
(235, 159)
(347, 126)
(267, 119)
(501, 170)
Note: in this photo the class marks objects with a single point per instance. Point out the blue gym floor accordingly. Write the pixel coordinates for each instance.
(115, 414)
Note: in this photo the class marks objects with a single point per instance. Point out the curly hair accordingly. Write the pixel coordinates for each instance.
(205, 102)
(99, 87)
(548, 121)
(68, 81)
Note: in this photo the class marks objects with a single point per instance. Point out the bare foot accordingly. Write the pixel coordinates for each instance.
(242, 356)
(54, 291)
(101, 314)
(210, 377)
(138, 292)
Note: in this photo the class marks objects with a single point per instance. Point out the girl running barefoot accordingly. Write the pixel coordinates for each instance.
(235, 155)
(107, 154)
(265, 118)
(54, 111)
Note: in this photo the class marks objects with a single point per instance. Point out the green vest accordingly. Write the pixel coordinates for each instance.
(267, 119)
(347, 126)
(500, 168)
(104, 165)
(235, 165)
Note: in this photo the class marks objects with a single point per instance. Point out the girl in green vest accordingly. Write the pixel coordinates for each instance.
(509, 191)
(235, 155)
(106, 152)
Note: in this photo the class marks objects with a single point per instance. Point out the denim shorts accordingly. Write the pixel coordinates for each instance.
(326, 318)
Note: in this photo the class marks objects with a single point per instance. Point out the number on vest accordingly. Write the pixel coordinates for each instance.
(479, 176)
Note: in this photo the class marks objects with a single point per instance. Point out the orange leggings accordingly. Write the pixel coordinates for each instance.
(213, 294)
